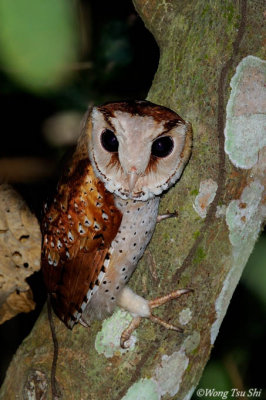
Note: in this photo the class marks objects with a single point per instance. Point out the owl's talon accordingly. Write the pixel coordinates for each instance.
(159, 301)
(126, 334)
(166, 216)
(162, 300)
(165, 324)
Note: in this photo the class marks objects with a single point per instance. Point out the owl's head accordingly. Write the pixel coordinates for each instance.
(138, 149)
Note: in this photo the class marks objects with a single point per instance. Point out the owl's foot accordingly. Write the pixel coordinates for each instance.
(126, 334)
(166, 216)
(134, 324)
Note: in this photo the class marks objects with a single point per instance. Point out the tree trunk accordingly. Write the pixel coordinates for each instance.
(206, 47)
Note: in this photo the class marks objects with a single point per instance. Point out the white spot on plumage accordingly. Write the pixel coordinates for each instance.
(111, 250)
(87, 222)
(81, 229)
(96, 226)
(70, 236)
(50, 260)
(101, 276)
(105, 216)
(106, 263)
(83, 201)
(95, 288)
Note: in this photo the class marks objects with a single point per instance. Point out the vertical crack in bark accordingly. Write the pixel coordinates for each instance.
(220, 128)
(138, 368)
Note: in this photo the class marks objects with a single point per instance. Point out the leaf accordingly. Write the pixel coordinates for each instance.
(20, 248)
(37, 42)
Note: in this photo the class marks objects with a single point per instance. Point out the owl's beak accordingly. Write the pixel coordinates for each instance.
(132, 180)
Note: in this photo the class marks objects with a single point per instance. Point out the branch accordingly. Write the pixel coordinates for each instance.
(205, 48)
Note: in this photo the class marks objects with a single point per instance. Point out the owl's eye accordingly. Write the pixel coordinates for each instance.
(109, 141)
(162, 146)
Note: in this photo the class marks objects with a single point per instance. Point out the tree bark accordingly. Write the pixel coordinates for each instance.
(205, 47)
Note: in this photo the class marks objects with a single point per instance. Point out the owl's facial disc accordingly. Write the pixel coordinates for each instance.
(138, 149)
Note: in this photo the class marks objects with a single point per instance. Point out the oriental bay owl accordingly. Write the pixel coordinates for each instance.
(105, 210)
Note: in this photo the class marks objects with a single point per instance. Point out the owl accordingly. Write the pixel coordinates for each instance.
(106, 207)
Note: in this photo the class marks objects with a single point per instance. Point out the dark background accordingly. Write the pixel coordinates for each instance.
(116, 59)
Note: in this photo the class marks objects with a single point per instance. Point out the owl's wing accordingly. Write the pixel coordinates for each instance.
(78, 229)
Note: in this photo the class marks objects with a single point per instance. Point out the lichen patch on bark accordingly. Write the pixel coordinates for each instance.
(192, 342)
(165, 380)
(243, 217)
(205, 197)
(107, 341)
(169, 374)
(245, 113)
(144, 389)
(185, 316)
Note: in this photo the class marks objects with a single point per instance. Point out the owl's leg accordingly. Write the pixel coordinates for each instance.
(141, 308)
(166, 216)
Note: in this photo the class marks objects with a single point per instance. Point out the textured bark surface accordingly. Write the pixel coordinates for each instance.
(201, 44)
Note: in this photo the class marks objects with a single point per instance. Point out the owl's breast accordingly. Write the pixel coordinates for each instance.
(135, 231)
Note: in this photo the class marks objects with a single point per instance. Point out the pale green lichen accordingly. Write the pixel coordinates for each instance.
(170, 372)
(107, 341)
(205, 197)
(220, 211)
(144, 389)
(192, 342)
(165, 380)
(185, 316)
(243, 217)
(244, 138)
(245, 113)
